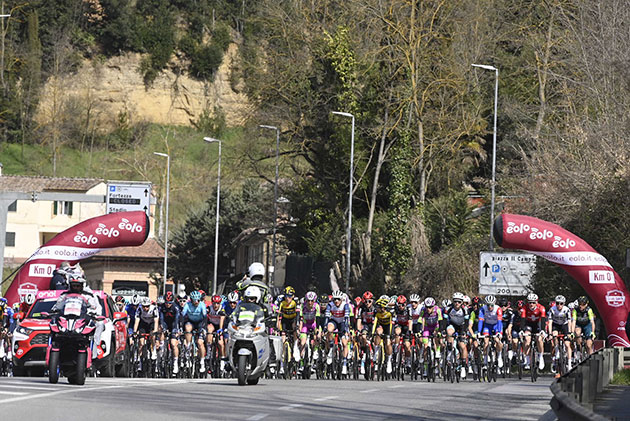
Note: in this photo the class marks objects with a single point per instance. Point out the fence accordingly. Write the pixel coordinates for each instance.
(575, 392)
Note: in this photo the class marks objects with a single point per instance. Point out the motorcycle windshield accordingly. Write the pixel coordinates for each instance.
(246, 318)
(74, 306)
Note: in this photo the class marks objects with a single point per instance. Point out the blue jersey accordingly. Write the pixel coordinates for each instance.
(338, 314)
(194, 313)
(493, 319)
(170, 317)
(130, 309)
(227, 308)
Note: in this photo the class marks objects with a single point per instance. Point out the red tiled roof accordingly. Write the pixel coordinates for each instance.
(149, 250)
(21, 183)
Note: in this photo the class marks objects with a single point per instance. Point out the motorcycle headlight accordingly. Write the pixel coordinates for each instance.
(24, 330)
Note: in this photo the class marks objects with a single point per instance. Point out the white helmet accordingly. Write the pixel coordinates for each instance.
(491, 300)
(429, 302)
(384, 297)
(29, 298)
(532, 297)
(571, 305)
(446, 303)
(252, 292)
(458, 296)
(392, 301)
(232, 296)
(414, 298)
(466, 299)
(135, 299)
(256, 269)
(560, 299)
(337, 295)
(181, 295)
(311, 296)
(145, 301)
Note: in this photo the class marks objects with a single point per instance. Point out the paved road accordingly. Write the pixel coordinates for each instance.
(160, 399)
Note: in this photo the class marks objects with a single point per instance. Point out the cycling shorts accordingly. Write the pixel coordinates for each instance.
(308, 327)
(144, 327)
(429, 330)
(587, 330)
(287, 325)
(200, 327)
(338, 326)
(489, 329)
(417, 328)
(404, 329)
(533, 327)
(562, 329)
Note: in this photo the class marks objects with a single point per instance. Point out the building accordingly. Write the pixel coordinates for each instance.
(30, 224)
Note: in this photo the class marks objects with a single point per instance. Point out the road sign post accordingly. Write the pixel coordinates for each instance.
(128, 197)
(506, 273)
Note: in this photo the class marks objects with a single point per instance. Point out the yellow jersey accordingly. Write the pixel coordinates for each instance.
(288, 310)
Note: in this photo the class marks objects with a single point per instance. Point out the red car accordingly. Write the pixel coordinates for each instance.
(30, 338)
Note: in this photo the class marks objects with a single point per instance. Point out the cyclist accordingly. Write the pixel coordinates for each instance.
(195, 317)
(308, 313)
(473, 327)
(457, 318)
(516, 327)
(131, 310)
(560, 322)
(383, 329)
(366, 313)
(415, 311)
(230, 305)
(170, 322)
(584, 323)
(147, 321)
(432, 323)
(508, 319)
(216, 323)
(402, 326)
(338, 319)
(491, 323)
(533, 320)
(287, 318)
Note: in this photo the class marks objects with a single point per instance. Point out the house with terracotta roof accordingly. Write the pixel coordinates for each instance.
(30, 224)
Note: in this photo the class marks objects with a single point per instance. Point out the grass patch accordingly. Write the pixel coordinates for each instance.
(622, 378)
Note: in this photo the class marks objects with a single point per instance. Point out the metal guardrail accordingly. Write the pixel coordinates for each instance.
(575, 392)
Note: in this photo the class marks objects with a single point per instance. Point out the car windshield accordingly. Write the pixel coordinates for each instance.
(41, 306)
(44, 306)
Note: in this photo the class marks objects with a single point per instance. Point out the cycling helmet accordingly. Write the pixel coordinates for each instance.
(571, 305)
(458, 296)
(367, 295)
(203, 294)
(466, 299)
(561, 299)
(119, 299)
(181, 295)
(491, 300)
(324, 298)
(145, 301)
(446, 303)
(195, 296)
(169, 297)
(502, 302)
(476, 300)
(216, 299)
(429, 302)
(414, 298)
(384, 297)
(135, 299)
(252, 292)
(3, 302)
(392, 301)
(532, 298)
(337, 295)
(161, 300)
(29, 298)
(16, 307)
(256, 269)
(357, 301)
(582, 299)
(290, 291)
(381, 303)
(401, 299)
(311, 296)
(232, 297)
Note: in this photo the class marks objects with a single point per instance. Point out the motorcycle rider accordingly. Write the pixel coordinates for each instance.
(255, 274)
(249, 308)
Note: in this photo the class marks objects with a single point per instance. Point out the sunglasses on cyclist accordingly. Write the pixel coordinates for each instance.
(337, 299)
(457, 301)
(369, 301)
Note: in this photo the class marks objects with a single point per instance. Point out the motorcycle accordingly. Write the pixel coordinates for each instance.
(248, 348)
(70, 343)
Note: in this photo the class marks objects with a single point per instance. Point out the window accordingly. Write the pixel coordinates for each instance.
(62, 208)
(13, 206)
(9, 239)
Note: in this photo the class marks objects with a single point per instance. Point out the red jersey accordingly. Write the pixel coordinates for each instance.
(535, 315)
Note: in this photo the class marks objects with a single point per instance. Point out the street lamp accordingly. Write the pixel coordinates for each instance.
(216, 228)
(349, 234)
(272, 269)
(494, 147)
(168, 182)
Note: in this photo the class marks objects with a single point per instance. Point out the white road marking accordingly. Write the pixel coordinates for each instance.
(369, 391)
(20, 386)
(257, 417)
(290, 407)
(397, 386)
(326, 398)
(2, 392)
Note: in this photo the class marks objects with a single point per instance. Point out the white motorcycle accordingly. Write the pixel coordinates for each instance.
(248, 348)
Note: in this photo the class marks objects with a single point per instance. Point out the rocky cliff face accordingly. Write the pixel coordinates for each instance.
(115, 85)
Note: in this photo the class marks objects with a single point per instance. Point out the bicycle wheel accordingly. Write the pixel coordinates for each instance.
(533, 364)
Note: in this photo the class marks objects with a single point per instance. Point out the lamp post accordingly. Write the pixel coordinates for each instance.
(349, 233)
(216, 228)
(168, 187)
(275, 205)
(494, 147)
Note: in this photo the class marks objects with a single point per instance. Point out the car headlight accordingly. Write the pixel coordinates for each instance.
(23, 330)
